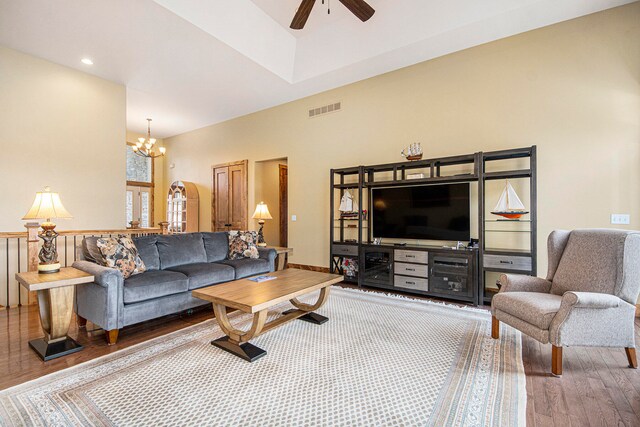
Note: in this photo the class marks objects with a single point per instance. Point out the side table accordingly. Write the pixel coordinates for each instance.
(282, 256)
(55, 303)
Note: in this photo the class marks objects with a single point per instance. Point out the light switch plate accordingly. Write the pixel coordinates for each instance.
(620, 218)
(294, 217)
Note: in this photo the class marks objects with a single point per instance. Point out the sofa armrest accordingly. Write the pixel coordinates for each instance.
(104, 276)
(522, 283)
(270, 255)
(101, 302)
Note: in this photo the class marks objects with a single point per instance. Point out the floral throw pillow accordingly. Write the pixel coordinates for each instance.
(242, 244)
(121, 253)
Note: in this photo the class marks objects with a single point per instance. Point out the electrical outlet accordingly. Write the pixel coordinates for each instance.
(620, 218)
(294, 217)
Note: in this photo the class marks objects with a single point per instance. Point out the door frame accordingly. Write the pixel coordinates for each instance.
(245, 191)
(283, 205)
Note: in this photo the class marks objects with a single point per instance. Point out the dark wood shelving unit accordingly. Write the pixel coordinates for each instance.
(361, 179)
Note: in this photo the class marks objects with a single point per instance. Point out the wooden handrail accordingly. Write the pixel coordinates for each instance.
(32, 243)
(150, 230)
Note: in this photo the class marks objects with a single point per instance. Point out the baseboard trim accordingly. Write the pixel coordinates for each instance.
(309, 267)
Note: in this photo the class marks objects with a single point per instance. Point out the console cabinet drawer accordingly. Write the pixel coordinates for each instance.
(417, 270)
(411, 283)
(350, 250)
(507, 262)
(411, 256)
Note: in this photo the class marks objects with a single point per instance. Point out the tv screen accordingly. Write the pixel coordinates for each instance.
(428, 212)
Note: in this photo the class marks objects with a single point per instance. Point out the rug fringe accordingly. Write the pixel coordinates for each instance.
(413, 299)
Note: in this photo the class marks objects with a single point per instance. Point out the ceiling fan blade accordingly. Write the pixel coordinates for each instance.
(302, 14)
(360, 8)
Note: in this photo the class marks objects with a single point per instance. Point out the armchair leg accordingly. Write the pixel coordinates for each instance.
(631, 357)
(112, 336)
(556, 360)
(495, 327)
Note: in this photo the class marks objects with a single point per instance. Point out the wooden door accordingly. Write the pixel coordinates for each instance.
(283, 203)
(229, 209)
(238, 196)
(220, 199)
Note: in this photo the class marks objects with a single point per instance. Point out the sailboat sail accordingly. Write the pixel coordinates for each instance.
(347, 203)
(509, 204)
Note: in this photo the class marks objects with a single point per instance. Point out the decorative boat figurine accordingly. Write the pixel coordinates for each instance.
(412, 152)
(348, 206)
(509, 205)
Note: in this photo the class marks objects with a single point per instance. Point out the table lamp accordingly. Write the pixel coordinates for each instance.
(47, 205)
(261, 213)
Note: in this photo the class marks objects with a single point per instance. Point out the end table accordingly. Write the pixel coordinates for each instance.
(282, 256)
(55, 302)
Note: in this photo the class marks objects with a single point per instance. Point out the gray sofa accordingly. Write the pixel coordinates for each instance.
(176, 264)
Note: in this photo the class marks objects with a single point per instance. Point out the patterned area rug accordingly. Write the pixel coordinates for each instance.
(380, 360)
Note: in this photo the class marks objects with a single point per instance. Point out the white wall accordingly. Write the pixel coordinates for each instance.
(65, 129)
(572, 89)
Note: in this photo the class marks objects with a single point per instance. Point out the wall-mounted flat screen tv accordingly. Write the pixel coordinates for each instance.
(426, 212)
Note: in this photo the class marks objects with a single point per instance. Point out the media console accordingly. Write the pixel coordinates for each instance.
(469, 275)
(424, 270)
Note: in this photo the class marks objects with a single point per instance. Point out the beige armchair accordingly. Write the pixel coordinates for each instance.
(587, 299)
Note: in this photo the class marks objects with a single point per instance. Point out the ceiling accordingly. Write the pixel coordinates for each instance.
(192, 63)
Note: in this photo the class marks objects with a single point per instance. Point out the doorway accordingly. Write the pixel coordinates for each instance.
(139, 205)
(271, 187)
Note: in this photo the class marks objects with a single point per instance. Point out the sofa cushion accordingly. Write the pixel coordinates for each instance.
(216, 245)
(246, 267)
(148, 251)
(180, 249)
(205, 274)
(535, 308)
(91, 251)
(243, 244)
(121, 253)
(154, 284)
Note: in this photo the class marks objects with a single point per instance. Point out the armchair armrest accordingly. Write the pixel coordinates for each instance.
(270, 255)
(104, 276)
(522, 283)
(590, 300)
(593, 319)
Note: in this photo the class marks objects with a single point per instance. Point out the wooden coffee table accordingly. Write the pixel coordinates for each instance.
(256, 298)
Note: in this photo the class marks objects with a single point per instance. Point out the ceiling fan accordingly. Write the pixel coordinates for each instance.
(360, 8)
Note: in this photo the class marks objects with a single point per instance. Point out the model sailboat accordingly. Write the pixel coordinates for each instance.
(348, 206)
(509, 205)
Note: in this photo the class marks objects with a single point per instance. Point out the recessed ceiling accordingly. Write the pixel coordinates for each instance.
(192, 63)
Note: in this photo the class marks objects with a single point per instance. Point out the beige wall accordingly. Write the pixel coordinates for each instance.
(160, 189)
(572, 89)
(65, 129)
(267, 189)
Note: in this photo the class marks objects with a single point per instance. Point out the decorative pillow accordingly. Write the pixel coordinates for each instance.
(242, 244)
(121, 253)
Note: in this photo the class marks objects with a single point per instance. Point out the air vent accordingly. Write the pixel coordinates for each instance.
(325, 109)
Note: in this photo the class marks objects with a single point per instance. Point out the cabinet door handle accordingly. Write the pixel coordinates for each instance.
(410, 256)
(410, 269)
(410, 283)
(506, 262)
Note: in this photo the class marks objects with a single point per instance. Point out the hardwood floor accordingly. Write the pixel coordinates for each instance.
(596, 388)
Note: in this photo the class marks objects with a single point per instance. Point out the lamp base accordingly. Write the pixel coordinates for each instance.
(49, 268)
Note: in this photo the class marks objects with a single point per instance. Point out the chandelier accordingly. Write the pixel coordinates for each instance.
(145, 146)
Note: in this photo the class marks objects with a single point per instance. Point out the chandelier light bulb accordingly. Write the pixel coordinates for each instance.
(162, 150)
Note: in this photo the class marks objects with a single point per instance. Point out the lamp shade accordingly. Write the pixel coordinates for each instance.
(262, 212)
(47, 205)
